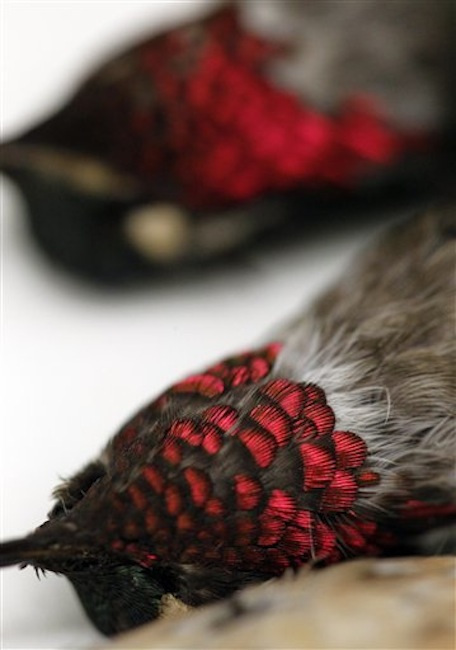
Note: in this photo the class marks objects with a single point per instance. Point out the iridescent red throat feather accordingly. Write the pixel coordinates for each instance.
(227, 124)
(288, 498)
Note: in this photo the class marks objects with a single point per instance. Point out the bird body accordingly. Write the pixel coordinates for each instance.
(334, 440)
(201, 140)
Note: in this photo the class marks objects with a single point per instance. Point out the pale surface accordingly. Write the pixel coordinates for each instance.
(76, 362)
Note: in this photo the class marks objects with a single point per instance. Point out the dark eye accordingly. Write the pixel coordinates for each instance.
(74, 489)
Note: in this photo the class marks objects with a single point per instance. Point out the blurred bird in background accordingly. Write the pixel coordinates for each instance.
(256, 119)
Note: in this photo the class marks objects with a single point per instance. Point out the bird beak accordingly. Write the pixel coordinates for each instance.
(47, 547)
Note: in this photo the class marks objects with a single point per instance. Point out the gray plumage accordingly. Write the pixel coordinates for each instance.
(398, 52)
(381, 344)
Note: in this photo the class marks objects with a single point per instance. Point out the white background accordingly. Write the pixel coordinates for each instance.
(75, 362)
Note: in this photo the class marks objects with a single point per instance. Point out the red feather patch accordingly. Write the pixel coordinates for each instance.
(280, 504)
(321, 415)
(287, 394)
(341, 493)
(271, 530)
(324, 540)
(274, 421)
(173, 500)
(187, 430)
(296, 541)
(199, 484)
(224, 417)
(318, 465)
(262, 446)
(245, 530)
(245, 368)
(212, 438)
(138, 497)
(172, 452)
(248, 492)
(154, 478)
(204, 384)
(214, 507)
(351, 450)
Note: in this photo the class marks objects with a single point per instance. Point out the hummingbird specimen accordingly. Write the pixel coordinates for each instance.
(255, 118)
(335, 439)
